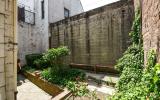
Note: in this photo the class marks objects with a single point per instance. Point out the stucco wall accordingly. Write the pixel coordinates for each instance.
(99, 36)
(33, 38)
(8, 56)
(151, 26)
(56, 9)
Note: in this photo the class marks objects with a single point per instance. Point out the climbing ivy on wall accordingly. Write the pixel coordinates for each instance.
(135, 34)
(137, 82)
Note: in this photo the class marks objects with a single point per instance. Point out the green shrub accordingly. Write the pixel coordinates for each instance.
(55, 58)
(133, 57)
(78, 88)
(40, 64)
(28, 68)
(30, 58)
(70, 78)
(140, 84)
(46, 74)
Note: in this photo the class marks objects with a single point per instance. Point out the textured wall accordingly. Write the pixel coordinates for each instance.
(99, 36)
(151, 26)
(8, 49)
(33, 38)
(56, 9)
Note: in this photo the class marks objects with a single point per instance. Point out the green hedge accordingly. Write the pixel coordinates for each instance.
(30, 58)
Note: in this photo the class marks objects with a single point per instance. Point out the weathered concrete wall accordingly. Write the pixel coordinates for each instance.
(8, 56)
(99, 36)
(33, 38)
(56, 9)
(151, 26)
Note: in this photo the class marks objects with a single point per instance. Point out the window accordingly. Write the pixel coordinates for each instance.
(66, 13)
(21, 14)
(42, 9)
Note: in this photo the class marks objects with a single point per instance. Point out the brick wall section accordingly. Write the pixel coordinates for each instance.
(7, 50)
(151, 26)
(99, 36)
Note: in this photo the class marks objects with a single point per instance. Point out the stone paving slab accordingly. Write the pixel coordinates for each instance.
(28, 91)
(103, 77)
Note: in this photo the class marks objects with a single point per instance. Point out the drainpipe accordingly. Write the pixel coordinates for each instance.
(15, 46)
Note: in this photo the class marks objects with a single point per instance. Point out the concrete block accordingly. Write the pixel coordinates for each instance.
(1, 20)
(1, 36)
(1, 64)
(9, 70)
(10, 84)
(9, 19)
(2, 93)
(9, 31)
(10, 95)
(1, 50)
(2, 6)
(2, 79)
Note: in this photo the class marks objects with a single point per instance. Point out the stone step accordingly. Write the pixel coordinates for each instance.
(103, 79)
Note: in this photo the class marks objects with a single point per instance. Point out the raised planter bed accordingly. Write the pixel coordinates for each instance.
(48, 87)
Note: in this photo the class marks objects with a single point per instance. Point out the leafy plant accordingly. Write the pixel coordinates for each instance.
(78, 88)
(30, 58)
(70, 78)
(28, 68)
(55, 56)
(135, 34)
(40, 64)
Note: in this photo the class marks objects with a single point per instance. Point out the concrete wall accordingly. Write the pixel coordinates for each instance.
(33, 38)
(56, 9)
(151, 26)
(99, 36)
(8, 49)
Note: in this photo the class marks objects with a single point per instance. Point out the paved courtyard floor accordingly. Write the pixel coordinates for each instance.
(28, 91)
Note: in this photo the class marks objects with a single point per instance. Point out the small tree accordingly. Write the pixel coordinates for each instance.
(55, 57)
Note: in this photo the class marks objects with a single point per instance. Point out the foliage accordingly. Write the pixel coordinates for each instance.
(64, 76)
(70, 78)
(93, 95)
(40, 64)
(136, 29)
(28, 68)
(30, 58)
(143, 88)
(46, 75)
(78, 88)
(137, 82)
(133, 57)
(60, 74)
(55, 56)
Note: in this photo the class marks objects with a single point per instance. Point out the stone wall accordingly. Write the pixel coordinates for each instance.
(99, 36)
(151, 26)
(8, 49)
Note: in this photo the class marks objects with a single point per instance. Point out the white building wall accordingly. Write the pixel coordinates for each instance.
(33, 38)
(76, 7)
(56, 9)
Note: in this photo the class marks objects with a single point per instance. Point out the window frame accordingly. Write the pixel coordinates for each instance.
(42, 10)
(68, 13)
